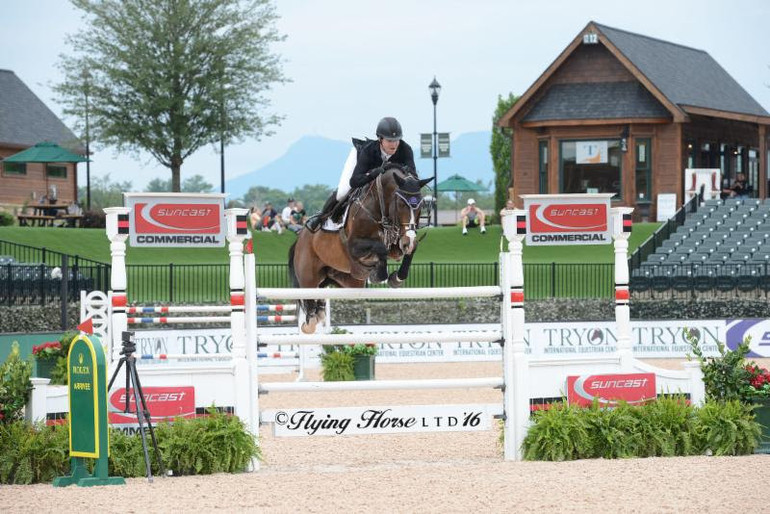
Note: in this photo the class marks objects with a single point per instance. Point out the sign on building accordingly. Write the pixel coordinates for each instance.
(591, 152)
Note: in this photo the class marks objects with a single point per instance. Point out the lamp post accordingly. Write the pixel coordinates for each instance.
(435, 89)
(86, 85)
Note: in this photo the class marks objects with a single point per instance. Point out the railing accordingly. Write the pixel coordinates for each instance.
(664, 232)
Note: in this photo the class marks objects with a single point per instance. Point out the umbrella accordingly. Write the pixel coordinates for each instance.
(458, 183)
(45, 152)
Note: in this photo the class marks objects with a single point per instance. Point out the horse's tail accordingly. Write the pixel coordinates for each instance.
(292, 273)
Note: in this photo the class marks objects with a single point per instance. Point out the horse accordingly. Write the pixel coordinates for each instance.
(381, 223)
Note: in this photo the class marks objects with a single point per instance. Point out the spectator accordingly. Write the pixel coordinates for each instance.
(270, 219)
(255, 218)
(472, 216)
(508, 206)
(739, 188)
(297, 218)
(286, 212)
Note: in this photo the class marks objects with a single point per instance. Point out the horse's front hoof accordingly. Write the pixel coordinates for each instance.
(308, 328)
(394, 281)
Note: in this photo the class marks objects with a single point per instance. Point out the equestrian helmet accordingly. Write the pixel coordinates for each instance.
(389, 128)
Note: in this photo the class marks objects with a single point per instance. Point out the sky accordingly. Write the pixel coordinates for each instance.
(353, 62)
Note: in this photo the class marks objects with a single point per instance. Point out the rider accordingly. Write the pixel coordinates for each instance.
(370, 159)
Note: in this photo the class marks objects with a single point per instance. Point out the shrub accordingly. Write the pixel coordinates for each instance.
(6, 219)
(664, 427)
(338, 360)
(14, 386)
(726, 377)
(93, 219)
(211, 444)
(557, 434)
(726, 428)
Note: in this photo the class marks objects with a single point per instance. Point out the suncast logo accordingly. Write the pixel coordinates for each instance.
(568, 217)
(609, 389)
(181, 218)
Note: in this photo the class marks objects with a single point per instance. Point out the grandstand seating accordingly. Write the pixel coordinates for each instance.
(723, 245)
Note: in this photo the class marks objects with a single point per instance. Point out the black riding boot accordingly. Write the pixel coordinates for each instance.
(315, 222)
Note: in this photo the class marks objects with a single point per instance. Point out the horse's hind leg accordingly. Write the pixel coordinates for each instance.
(311, 316)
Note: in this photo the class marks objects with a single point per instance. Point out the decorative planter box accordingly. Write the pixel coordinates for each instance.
(44, 367)
(762, 415)
(363, 367)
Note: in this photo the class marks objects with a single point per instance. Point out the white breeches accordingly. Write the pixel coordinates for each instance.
(343, 188)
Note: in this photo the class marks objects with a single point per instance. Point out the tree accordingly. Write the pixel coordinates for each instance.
(194, 184)
(170, 76)
(500, 148)
(312, 196)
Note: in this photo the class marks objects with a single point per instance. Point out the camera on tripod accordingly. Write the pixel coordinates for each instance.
(129, 346)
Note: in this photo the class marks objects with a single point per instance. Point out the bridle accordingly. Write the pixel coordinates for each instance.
(389, 226)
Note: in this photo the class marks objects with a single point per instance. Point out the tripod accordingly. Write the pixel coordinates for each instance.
(143, 414)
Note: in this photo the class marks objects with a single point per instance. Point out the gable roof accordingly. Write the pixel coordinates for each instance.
(676, 76)
(686, 76)
(26, 120)
(596, 100)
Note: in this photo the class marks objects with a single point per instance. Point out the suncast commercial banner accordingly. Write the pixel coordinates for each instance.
(568, 219)
(174, 219)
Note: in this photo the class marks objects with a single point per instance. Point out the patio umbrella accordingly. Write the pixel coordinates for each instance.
(457, 183)
(45, 152)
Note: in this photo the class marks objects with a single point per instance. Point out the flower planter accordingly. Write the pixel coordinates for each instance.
(762, 415)
(44, 367)
(363, 367)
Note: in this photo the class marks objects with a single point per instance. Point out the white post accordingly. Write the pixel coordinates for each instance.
(237, 232)
(697, 387)
(515, 360)
(117, 233)
(36, 407)
(251, 347)
(621, 217)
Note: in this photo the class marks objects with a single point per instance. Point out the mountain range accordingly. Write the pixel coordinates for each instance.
(319, 160)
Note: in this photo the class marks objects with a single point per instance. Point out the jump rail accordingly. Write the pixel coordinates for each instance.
(384, 385)
(380, 294)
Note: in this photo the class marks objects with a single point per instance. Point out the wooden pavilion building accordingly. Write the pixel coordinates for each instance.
(25, 121)
(625, 113)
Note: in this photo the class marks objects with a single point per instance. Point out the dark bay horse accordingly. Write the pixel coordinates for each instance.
(381, 223)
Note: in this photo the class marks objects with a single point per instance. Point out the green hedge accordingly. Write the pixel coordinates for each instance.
(215, 443)
(662, 428)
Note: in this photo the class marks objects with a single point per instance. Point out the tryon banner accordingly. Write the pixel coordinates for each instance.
(568, 219)
(608, 390)
(176, 219)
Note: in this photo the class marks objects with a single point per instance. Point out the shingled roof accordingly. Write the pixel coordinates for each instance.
(25, 119)
(686, 76)
(602, 100)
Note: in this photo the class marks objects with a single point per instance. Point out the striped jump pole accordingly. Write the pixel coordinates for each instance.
(290, 307)
(179, 319)
(276, 319)
(278, 355)
(169, 309)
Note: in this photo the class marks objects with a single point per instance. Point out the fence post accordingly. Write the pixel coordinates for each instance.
(553, 280)
(64, 290)
(432, 281)
(171, 282)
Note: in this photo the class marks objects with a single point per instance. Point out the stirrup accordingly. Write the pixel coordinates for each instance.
(314, 223)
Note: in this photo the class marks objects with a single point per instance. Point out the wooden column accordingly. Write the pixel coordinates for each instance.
(763, 161)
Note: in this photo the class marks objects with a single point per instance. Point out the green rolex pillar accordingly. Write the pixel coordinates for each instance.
(89, 431)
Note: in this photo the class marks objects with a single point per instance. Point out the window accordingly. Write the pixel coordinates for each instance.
(542, 152)
(591, 167)
(643, 161)
(56, 170)
(15, 168)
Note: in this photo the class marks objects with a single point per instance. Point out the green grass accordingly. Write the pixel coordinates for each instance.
(442, 244)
